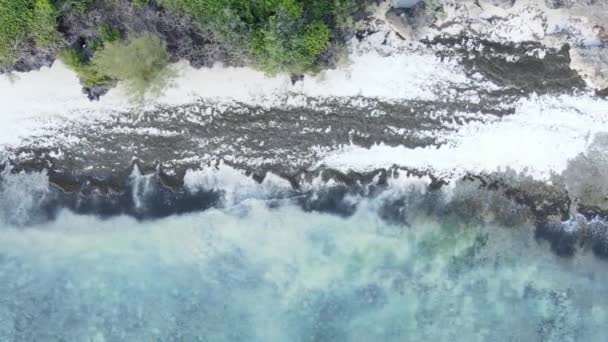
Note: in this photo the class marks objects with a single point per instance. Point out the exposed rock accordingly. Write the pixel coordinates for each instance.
(296, 78)
(407, 22)
(592, 65)
(31, 57)
(183, 37)
(528, 67)
(96, 92)
(396, 18)
(587, 177)
(503, 3)
(559, 3)
(602, 34)
(404, 3)
(569, 3)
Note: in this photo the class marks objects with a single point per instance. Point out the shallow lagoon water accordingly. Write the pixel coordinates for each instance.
(255, 273)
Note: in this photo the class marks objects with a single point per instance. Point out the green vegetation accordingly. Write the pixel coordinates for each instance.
(75, 58)
(88, 74)
(25, 19)
(141, 3)
(276, 36)
(109, 34)
(280, 35)
(343, 12)
(277, 51)
(141, 63)
(77, 5)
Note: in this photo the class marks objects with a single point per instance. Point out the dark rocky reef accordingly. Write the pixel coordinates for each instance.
(567, 3)
(515, 66)
(505, 199)
(280, 140)
(92, 171)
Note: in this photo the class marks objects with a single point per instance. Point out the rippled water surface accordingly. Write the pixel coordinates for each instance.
(254, 273)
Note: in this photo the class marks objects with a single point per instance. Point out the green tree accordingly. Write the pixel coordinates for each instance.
(141, 63)
(280, 48)
(88, 74)
(278, 35)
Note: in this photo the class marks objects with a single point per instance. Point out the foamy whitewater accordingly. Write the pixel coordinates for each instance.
(258, 269)
(543, 134)
(333, 254)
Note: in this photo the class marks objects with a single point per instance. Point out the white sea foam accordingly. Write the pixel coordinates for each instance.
(21, 196)
(53, 96)
(50, 96)
(540, 138)
(235, 185)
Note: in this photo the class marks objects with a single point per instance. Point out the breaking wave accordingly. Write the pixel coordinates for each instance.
(231, 259)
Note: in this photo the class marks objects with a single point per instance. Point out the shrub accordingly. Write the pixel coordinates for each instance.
(343, 11)
(314, 39)
(77, 5)
(109, 34)
(141, 3)
(278, 49)
(43, 25)
(279, 35)
(141, 63)
(23, 19)
(88, 74)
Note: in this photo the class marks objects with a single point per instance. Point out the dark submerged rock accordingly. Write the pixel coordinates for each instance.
(96, 92)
